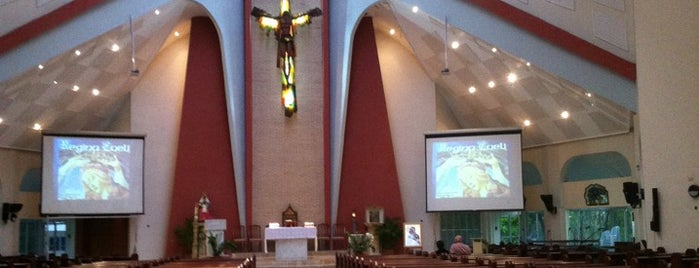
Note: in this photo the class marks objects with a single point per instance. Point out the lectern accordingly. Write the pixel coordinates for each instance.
(210, 227)
(477, 246)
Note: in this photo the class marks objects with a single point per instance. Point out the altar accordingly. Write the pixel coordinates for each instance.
(291, 241)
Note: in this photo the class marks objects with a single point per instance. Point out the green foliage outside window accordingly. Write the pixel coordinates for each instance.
(589, 224)
(509, 228)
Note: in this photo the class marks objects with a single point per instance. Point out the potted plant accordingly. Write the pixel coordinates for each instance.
(389, 234)
(359, 243)
(185, 236)
(220, 248)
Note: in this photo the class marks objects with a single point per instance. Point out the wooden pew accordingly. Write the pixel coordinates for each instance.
(484, 261)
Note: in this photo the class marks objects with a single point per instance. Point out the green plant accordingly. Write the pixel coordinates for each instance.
(220, 248)
(359, 243)
(389, 233)
(185, 235)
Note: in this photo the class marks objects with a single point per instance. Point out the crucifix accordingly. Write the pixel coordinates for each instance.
(284, 27)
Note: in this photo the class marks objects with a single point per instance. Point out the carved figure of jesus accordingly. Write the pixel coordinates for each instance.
(284, 27)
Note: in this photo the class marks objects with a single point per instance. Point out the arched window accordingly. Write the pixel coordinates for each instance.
(530, 174)
(596, 166)
(31, 181)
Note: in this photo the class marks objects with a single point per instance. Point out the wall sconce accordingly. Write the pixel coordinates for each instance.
(548, 202)
(693, 190)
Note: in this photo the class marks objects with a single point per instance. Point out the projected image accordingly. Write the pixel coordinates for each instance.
(91, 170)
(92, 173)
(474, 170)
(471, 169)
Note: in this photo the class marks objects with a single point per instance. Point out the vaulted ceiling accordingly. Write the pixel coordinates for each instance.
(86, 92)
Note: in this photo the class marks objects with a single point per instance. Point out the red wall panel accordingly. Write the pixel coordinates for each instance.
(369, 176)
(204, 159)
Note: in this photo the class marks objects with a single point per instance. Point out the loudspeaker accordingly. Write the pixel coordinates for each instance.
(631, 194)
(9, 211)
(548, 202)
(655, 221)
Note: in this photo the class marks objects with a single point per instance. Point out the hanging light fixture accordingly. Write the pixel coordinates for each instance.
(134, 70)
(445, 71)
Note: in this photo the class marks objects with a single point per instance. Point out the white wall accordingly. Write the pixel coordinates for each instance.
(156, 106)
(410, 101)
(667, 68)
(13, 165)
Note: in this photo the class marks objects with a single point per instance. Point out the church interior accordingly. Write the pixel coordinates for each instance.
(241, 119)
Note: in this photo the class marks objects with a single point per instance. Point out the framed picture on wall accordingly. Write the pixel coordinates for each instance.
(374, 215)
(412, 235)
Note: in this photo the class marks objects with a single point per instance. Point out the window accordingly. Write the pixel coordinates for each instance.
(534, 226)
(56, 231)
(601, 225)
(514, 227)
(37, 235)
(466, 224)
(509, 228)
(31, 237)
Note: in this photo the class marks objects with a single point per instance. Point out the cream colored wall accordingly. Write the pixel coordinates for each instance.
(550, 161)
(667, 68)
(157, 102)
(156, 107)
(410, 101)
(573, 198)
(14, 164)
(533, 201)
(287, 153)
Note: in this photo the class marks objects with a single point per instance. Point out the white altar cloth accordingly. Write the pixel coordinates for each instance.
(291, 241)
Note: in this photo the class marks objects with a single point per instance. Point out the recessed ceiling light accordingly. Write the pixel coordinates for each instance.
(512, 77)
(115, 47)
(588, 94)
(41, 67)
(1, 120)
(177, 34)
(157, 12)
(55, 82)
(75, 88)
(77, 52)
(392, 31)
(95, 91)
(494, 50)
(491, 84)
(36, 126)
(527, 122)
(455, 44)
(529, 64)
(415, 9)
(472, 89)
(565, 114)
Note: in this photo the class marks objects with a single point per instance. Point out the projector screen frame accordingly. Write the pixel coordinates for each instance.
(516, 197)
(138, 209)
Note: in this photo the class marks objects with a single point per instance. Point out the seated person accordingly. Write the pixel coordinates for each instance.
(459, 248)
(440, 248)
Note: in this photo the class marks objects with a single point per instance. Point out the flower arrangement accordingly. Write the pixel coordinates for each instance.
(359, 243)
